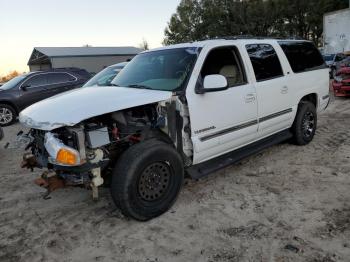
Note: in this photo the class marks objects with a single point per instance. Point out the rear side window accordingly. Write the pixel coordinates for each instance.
(302, 56)
(265, 61)
(57, 78)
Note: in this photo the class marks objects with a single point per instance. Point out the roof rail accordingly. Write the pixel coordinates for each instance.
(240, 37)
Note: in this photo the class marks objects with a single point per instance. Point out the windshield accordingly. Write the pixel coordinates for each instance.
(328, 57)
(105, 77)
(13, 82)
(165, 70)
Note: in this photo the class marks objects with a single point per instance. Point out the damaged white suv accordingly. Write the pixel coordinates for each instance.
(184, 109)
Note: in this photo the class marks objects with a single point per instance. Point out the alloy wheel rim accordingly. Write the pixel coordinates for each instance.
(154, 181)
(308, 124)
(5, 116)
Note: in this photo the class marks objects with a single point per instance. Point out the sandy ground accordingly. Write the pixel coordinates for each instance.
(287, 203)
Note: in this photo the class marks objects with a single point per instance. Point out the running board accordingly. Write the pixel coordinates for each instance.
(203, 169)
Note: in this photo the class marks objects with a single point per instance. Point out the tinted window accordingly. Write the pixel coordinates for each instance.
(224, 61)
(265, 61)
(38, 80)
(302, 56)
(56, 78)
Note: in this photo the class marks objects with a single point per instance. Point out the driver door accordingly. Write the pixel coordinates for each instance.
(222, 121)
(33, 90)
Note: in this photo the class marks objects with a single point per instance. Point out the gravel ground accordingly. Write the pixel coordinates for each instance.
(287, 203)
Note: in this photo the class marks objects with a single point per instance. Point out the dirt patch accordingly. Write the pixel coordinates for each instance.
(287, 203)
(337, 223)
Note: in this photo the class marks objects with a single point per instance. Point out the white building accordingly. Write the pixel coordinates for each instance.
(336, 31)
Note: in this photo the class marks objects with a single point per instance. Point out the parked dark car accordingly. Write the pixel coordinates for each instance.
(27, 89)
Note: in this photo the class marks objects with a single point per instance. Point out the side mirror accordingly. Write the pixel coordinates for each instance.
(213, 83)
(25, 87)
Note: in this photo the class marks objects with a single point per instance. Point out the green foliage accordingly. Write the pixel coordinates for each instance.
(203, 19)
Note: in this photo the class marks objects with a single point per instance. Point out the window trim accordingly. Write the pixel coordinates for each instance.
(315, 68)
(279, 60)
(75, 79)
(238, 59)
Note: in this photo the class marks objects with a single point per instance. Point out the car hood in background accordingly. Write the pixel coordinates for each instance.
(70, 108)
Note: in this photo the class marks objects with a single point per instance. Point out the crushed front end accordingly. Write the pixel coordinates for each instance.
(72, 156)
(85, 154)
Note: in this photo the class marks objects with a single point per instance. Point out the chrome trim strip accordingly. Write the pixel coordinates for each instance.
(46, 73)
(245, 125)
(228, 130)
(265, 118)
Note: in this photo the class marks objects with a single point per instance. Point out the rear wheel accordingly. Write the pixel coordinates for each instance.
(7, 115)
(305, 123)
(147, 180)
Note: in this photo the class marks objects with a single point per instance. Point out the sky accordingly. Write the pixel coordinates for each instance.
(25, 24)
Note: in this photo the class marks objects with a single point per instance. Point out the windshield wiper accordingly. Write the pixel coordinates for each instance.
(114, 84)
(139, 86)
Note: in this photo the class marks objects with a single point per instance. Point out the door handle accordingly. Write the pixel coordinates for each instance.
(249, 98)
(284, 90)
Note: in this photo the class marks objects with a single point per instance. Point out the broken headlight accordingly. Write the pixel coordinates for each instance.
(60, 153)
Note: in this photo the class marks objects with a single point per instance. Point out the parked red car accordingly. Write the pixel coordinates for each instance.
(341, 83)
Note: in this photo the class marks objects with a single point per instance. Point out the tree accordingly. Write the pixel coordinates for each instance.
(185, 24)
(144, 44)
(203, 19)
(9, 76)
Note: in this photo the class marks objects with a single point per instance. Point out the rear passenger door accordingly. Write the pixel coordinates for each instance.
(60, 82)
(307, 74)
(274, 105)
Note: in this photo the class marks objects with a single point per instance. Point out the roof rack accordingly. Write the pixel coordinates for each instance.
(240, 37)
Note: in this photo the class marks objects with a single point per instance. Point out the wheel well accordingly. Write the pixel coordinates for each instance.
(10, 104)
(310, 98)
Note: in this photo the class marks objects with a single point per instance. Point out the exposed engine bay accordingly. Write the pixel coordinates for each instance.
(85, 155)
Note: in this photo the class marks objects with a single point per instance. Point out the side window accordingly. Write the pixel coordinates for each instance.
(38, 80)
(224, 61)
(302, 56)
(339, 57)
(265, 61)
(57, 78)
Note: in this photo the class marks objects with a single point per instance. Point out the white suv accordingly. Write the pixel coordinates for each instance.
(184, 109)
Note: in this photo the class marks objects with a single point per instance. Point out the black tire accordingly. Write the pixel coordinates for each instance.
(305, 123)
(8, 115)
(1, 133)
(147, 180)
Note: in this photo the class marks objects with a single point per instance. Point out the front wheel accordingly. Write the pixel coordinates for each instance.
(7, 115)
(147, 180)
(305, 123)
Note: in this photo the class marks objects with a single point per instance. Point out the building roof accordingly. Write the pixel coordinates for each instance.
(87, 51)
(41, 54)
